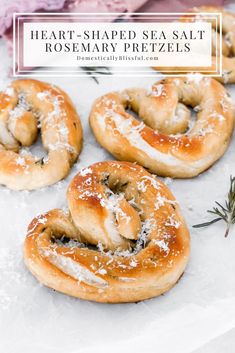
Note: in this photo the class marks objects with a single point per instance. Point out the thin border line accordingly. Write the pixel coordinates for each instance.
(75, 15)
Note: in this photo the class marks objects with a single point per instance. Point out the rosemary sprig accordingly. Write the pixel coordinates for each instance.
(223, 213)
(90, 70)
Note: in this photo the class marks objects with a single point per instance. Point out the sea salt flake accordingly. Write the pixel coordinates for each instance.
(133, 263)
(42, 95)
(101, 271)
(142, 185)
(218, 116)
(9, 91)
(162, 245)
(20, 161)
(161, 200)
(85, 171)
(195, 78)
(42, 220)
(171, 222)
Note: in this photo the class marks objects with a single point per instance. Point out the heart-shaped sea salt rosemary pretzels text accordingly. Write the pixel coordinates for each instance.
(165, 142)
(25, 107)
(123, 240)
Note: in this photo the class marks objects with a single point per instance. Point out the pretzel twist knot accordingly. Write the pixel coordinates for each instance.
(228, 42)
(25, 107)
(226, 46)
(166, 142)
(123, 239)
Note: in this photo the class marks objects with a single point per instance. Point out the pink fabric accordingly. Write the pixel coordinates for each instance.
(103, 5)
(176, 5)
(8, 7)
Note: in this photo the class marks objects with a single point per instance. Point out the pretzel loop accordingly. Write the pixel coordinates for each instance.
(228, 42)
(123, 239)
(25, 107)
(165, 142)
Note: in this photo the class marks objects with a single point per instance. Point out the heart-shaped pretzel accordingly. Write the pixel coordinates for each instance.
(26, 106)
(123, 240)
(227, 43)
(164, 142)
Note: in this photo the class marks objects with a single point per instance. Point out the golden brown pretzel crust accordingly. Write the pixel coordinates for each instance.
(96, 196)
(228, 42)
(24, 105)
(164, 110)
(228, 45)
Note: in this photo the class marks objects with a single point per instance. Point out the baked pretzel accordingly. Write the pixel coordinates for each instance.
(123, 239)
(228, 44)
(161, 142)
(25, 107)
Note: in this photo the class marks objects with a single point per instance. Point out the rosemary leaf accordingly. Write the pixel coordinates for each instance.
(101, 70)
(224, 213)
(207, 223)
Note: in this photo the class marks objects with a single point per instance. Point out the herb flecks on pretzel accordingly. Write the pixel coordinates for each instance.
(165, 141)
(228, 41)
(122, 240)
(26, 107)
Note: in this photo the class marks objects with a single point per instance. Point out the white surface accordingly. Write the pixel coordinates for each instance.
(221, 344)
(198, 309)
